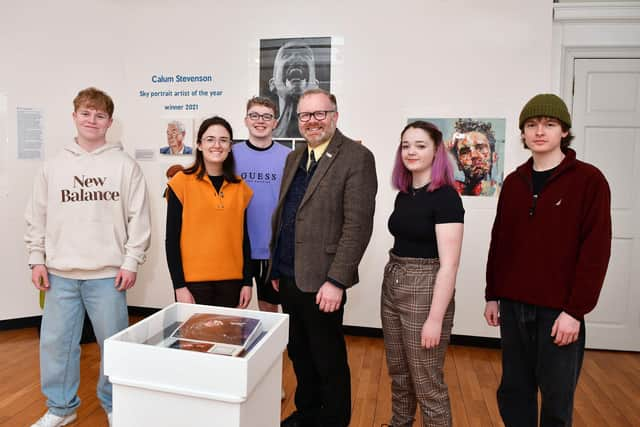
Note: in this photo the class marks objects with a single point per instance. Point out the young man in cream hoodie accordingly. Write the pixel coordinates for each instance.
(88, 227)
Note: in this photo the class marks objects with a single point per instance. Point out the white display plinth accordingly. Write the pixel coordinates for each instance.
(159, 386)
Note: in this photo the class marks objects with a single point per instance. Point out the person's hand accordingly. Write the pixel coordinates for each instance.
(40, 277)
(245, 297)
(565, 329)
(430, 336)
(125, 279)
(492, 313)
(329, 297)
(184, 295)
(276, 284)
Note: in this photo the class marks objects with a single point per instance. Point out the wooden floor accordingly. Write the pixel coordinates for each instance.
(608, 393)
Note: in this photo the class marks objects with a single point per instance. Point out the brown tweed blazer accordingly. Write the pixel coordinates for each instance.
(335, 217)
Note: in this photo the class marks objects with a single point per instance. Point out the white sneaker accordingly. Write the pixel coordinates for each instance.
(52, 420)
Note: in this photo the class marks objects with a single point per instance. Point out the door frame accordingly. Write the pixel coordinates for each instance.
(591, 30)
(570, 54)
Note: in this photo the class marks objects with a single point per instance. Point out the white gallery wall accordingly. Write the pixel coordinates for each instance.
(405, 59)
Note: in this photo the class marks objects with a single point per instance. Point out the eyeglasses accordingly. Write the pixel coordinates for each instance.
(267, 117)
(318, 115)
(223, 142)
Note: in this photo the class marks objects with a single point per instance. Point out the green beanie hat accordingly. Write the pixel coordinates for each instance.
(545, 105)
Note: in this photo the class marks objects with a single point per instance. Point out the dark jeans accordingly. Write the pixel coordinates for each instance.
(530, 360)
(319, 356)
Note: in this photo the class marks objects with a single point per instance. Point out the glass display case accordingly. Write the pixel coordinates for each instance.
(156, 383)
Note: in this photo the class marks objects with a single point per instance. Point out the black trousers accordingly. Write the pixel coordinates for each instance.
(530, 360)
(223, 293)
(264, 289)
(319, 355)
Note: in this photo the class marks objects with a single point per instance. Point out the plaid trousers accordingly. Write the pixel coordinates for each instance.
(416, 373)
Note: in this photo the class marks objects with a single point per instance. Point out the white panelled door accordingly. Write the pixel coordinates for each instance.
(606, 123)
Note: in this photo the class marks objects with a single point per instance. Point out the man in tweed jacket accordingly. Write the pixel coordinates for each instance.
(321, 227)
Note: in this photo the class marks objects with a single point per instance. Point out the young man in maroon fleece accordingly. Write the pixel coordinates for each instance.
(549, 252)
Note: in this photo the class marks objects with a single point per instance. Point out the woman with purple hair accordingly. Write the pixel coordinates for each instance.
(417, 302)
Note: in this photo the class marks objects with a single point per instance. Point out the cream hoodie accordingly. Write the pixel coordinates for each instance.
(88, 215)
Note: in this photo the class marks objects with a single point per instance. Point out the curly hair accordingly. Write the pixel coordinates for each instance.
(472, 125)
(92, 97)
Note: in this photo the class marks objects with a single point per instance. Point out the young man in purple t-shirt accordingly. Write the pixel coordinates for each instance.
(260, 162)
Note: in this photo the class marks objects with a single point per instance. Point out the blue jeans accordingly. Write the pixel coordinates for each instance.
(62, 320)
(530, 360)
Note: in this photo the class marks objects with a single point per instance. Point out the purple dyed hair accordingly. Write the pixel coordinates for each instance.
(441, 168)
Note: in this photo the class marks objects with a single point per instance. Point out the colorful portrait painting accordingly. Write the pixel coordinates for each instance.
(476, 148)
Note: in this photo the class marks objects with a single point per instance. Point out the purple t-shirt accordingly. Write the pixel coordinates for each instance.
(262, 170)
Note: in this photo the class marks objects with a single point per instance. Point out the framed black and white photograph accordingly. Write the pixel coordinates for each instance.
(288, 67)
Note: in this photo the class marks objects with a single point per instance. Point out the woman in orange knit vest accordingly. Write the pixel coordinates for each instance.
(207, 244)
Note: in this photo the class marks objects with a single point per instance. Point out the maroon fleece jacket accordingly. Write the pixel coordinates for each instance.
(552, 252)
